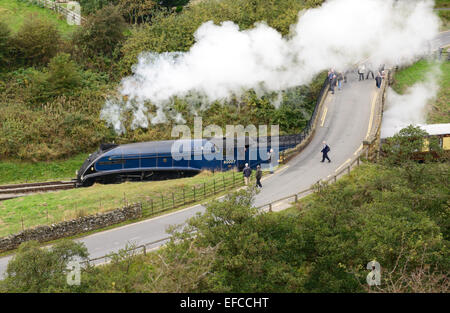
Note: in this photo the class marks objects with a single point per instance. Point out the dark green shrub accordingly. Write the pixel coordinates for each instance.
(101, 33)
(37, 41)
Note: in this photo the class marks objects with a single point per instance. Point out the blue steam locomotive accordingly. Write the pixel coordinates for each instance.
(156, 160)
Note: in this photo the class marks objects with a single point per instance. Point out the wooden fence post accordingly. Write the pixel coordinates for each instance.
(194, 193)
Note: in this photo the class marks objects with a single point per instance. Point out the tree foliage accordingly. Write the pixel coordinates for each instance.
(101, 33)
(35, 269)
(36, 42)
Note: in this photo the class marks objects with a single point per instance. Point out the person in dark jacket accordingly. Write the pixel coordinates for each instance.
(378, 80)
(325, 151)
(333, 84)
(247, 173)
(258, 176)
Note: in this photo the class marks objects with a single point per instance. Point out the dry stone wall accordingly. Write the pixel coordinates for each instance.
(73, 227)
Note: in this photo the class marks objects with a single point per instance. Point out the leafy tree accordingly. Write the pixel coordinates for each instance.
(90, 6)
(101, 33)
(409, 144)
(35, 269)
(61, 77)
(255, 252)
(138, 10)
(37, 41)
(63, 74)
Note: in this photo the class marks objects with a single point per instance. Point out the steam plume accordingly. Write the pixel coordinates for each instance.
(225, 61)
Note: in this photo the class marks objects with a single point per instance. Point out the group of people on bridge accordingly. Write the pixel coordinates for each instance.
(336, 79)
(362, 69)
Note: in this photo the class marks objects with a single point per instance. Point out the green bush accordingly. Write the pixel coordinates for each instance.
(34, 269)
(101, 33)
(36, 42)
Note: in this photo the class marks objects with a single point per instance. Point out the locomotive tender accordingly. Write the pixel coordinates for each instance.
(155, 160)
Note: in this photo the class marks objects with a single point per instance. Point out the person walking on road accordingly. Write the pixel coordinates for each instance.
(325, 151)
(258, 176)
(361, 71)
(247, 173)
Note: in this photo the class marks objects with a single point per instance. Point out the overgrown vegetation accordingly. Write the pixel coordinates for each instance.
(53, 86)
(394, 212)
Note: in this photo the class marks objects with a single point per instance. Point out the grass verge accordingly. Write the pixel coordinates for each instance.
(48, 208)
(14, 13)
(25, 172)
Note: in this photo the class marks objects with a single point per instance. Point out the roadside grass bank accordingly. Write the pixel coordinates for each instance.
(439, 109)
(445, 18)
(12, 172)
(14, 13)
(156, 197)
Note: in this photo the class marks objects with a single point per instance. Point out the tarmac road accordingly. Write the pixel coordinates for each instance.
(343, 124)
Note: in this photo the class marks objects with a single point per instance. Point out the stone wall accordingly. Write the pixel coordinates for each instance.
(73, 227)
(372, 144)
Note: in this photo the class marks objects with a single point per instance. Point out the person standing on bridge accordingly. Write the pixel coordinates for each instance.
(369, 71)
(361, 71)
(340, 78)
(333, 83)
(258, 176)
(378, 80)
(247, 173)
(325, 151)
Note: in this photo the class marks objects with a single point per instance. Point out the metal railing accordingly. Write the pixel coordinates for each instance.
(141, 248)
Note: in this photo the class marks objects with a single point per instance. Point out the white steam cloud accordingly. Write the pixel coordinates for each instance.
(411, 107)
(225, 61)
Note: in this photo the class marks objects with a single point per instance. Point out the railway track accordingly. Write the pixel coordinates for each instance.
(19, 190)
